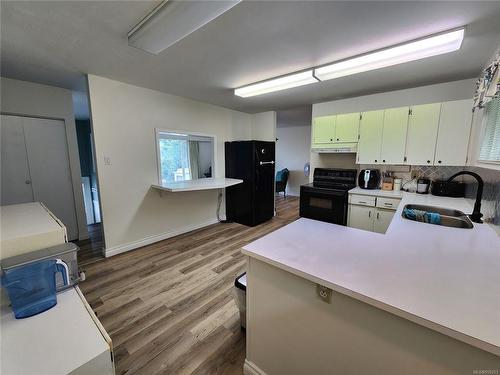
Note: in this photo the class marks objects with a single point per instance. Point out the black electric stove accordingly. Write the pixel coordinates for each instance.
(326, 198)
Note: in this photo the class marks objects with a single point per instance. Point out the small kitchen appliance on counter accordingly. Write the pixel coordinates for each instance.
(443, 188)
(423, 185)
(369, 179)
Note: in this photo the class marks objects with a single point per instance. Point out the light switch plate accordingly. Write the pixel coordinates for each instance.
(107, 160)
(324, 293)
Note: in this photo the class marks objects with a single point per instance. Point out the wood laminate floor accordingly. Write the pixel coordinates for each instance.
(169, 307)
(91, 250)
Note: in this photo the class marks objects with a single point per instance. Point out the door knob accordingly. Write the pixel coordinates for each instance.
(27, 182)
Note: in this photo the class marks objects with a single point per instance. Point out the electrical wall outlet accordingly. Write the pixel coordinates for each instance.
(324, 293)
(415, 174)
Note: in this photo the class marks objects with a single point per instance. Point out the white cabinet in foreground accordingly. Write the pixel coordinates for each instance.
(67, 339)
(371, 213)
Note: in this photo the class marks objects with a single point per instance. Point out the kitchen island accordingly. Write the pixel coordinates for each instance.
(419, 299)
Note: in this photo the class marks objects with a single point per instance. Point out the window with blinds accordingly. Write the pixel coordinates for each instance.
(490, 147)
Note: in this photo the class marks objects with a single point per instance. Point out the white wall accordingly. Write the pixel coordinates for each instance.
(32, 99)
(455, 90)
(292, 152)
(264, 126)
(124, 118)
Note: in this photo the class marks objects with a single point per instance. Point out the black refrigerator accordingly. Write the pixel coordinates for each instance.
(251, 202)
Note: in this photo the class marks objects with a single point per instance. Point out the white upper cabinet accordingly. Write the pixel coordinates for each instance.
(422, 134)
(453, 133)
(370, 137)
(394, 135)
(323, 129)
(347, 128)
(335, 131)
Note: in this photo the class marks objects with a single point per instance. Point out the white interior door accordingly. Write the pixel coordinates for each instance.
(16, 181)
(48, 158)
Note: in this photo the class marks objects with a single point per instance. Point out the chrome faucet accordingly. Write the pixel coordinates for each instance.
(476, 213)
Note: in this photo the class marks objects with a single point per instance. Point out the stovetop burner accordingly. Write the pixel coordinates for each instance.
(339, 179)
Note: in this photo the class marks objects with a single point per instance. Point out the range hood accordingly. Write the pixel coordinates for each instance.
(338, 148)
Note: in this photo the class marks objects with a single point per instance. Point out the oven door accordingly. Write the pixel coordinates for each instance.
(323, 204)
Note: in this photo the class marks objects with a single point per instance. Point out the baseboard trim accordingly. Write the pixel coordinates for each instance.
(250, 368)
(115, 250)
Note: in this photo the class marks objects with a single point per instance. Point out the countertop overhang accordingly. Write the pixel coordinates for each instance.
(445, 279)
(198, 184)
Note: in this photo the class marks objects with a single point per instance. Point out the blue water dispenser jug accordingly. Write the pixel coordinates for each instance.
(32, 287)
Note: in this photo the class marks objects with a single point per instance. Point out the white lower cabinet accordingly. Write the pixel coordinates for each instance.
(364, 212)
(361, 217)
(382, 220)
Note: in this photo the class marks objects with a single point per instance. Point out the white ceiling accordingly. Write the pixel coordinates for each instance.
(57, 42)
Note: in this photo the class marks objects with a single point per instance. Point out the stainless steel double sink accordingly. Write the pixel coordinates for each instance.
(449, 217)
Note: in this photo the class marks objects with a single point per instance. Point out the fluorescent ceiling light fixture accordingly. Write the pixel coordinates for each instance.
(416, 50)
(172, 21)
(277, 84)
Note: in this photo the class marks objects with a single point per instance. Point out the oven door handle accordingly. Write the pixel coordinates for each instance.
(323, 194)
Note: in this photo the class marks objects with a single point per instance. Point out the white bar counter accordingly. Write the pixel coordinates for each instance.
(199, 184)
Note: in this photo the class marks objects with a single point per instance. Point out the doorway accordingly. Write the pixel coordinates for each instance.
(91, 249)
(35, 167)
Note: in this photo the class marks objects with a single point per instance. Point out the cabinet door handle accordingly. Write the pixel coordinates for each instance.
(369, 214)
(375, 160)
(388, 204)
(439, 161)
(362, 202)
(378, 215)
(428, 161)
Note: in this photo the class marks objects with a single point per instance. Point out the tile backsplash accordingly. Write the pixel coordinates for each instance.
(490, 204)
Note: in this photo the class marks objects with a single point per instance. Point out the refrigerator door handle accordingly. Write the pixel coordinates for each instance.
(266, 162)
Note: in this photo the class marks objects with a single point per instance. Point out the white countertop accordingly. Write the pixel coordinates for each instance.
(446, 279)
(199, 184)
(377, 192)
(27, 227)
(56, 341)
